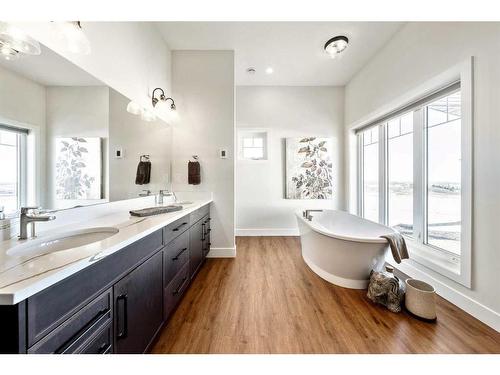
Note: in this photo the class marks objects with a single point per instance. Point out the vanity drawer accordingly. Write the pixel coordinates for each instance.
(175, 229)
(175, 290)
(199, 213)
(51, 307)
(79, 328)
(176, 255)
(101, 343)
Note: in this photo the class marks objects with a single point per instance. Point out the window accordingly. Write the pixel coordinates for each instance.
(370, 176)
(12, 168)
(444, 173)
(400, 173)
(413, 174)
(252, 145)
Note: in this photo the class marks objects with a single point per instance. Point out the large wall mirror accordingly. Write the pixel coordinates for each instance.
(66, 139)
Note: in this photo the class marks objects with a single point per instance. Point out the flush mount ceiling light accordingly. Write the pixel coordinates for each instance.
(251, 71)
(72, 36)
(14, 42)
(269, 70)
(336, 45)
(162, 99)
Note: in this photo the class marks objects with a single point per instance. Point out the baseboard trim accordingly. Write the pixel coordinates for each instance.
(222, 252)
(469, 305)
(266, 232)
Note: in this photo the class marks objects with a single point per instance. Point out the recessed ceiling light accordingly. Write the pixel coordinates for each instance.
(336, 45)
(251, 70)
(269, 70)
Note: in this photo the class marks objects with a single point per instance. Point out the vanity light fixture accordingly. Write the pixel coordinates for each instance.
(336, 45)
(134, 108)
(148, 115)
(157, 101)
(71, 34)
(14, 43)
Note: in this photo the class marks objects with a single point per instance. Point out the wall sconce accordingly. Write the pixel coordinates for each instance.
(162, 98)
(15, 43)
(71, 34)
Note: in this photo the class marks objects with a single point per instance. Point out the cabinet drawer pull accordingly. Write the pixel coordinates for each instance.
(121, 316)
(175, 292)
(104, 348)
(179, 227)
(180, 253)
(87, 328)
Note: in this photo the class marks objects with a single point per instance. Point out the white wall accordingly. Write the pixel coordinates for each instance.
(136, 137)
(203, 88)
(130, 57)
(284, 111)
(417, 53)
(75, 112)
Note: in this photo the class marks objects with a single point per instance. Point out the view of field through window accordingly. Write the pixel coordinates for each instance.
(443, 155)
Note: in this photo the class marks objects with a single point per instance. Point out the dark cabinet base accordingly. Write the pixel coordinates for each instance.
(118, 304)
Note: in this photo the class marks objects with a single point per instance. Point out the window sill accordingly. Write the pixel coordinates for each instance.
(426, 257)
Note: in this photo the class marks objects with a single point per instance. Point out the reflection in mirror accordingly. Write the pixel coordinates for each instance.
(67, 140)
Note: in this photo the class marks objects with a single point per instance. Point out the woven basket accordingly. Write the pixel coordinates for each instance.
(420, 299)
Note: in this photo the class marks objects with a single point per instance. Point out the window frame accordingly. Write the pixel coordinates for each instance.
(22, 167)
(436, 259)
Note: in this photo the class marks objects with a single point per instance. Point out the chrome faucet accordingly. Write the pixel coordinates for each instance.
(306, 214)
(145, 193)
(165, 193)
(26, 218)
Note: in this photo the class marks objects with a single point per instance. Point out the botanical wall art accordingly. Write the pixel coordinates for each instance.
(308, 168)
(78, 168)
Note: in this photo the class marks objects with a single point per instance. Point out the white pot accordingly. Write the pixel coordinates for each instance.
(420, 299)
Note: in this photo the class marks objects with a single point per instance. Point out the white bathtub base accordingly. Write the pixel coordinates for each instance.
(340, 281)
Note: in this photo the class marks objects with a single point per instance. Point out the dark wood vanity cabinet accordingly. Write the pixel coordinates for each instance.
(116, 305)
(138, 306)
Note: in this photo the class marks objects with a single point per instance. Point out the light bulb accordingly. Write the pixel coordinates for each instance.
(147, 115)
(134, 108)
(73, 37)
(269, 70)
(17, 41)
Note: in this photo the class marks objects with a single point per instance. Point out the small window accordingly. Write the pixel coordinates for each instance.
(12, 168)
(252, 145)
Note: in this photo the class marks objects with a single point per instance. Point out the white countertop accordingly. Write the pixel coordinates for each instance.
(22, 277)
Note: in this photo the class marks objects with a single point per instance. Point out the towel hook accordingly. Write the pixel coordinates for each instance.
(195, 157)
(145, 157)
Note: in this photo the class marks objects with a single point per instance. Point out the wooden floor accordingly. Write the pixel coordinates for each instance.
(267, 300)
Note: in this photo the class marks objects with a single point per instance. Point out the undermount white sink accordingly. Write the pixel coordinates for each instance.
(62, 241)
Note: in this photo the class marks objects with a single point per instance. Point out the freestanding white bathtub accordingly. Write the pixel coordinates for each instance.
(342, 248)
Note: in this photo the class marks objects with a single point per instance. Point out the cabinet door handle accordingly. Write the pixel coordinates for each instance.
(121, 316)
(203, 232)
(175, 292)
(178, 255)
(179, 227)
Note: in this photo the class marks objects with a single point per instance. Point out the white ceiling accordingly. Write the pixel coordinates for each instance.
(293, 49)
(50, 69)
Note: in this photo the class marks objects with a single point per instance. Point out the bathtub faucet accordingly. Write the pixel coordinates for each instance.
(306, 214)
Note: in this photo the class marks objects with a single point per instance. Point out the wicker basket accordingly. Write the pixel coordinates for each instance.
(420, 299)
